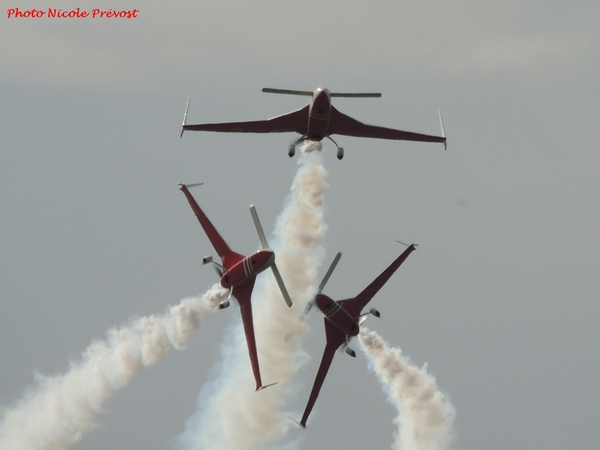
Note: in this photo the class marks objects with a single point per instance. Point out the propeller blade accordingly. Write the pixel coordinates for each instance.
(307, 310)
(324, 281)
(284, 291)
(356, 94)
(329, 272)
(312, 303)
(287, 91)
(259, 228)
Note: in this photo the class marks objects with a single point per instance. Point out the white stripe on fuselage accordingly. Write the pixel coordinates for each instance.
(333, 310)
(319, 116)
(247, 266)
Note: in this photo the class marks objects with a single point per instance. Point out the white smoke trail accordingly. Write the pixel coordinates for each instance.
(231, 416)
(59, 410)
(425, 414)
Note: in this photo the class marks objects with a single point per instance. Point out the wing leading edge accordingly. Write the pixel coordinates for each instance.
(296, 121)
(355, 305)
(228, 256)
(345, 125)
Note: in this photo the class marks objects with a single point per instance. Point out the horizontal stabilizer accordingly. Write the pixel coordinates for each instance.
(356, 94)
(287, 91)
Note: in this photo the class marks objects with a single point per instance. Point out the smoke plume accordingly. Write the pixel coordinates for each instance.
(56, 412)
(425, 415)
(231, 416)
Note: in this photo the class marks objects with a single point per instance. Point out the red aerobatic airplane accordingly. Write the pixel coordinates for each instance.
(343, 319)
(238, 273)
(317, 120)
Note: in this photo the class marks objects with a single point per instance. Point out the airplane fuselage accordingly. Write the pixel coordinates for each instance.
(336, 314)
(247, 268)
(319, 114)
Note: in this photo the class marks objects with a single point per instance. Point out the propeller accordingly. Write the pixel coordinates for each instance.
(265, 245)
(319, 289)
(310, 93)
(321, 285)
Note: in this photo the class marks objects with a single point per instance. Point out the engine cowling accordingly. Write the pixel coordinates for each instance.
(291, 150)
(340, 153)
(207, 260)
(375, 312)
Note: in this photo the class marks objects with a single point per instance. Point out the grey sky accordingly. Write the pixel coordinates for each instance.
(501, 297)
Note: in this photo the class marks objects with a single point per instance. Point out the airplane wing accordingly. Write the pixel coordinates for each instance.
(335, 338)
(296, 121)
(228, 257)
(243, 294)
(355, 305)
(345, 125)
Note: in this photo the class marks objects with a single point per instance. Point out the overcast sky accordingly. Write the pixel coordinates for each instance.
(501, 298)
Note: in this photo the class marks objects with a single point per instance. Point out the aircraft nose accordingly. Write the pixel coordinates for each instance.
(262, 257)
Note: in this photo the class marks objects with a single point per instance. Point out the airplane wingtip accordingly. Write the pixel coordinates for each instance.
(260, 388)
(185, 185)
(187, 106)
(408, 245)
(443, 130)
(302, 424)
